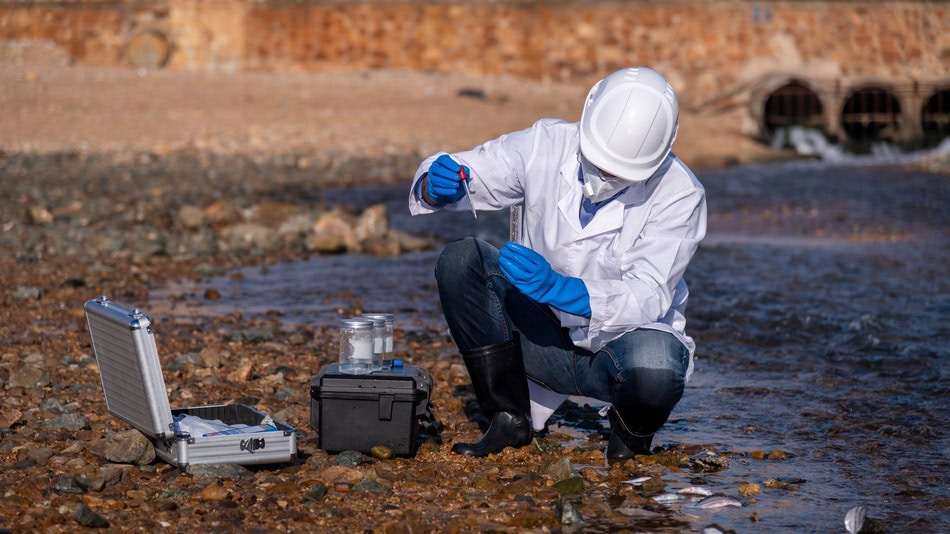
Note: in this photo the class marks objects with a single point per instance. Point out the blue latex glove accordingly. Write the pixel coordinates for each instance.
(444, 185)
(533, 276)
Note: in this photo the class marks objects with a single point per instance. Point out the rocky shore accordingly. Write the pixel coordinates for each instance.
(106, 192)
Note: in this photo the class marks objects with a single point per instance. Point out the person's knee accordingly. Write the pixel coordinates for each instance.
(654, 390)
(651, 349)
(455, 258)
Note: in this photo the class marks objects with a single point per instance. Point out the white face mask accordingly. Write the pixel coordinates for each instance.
(597, 187)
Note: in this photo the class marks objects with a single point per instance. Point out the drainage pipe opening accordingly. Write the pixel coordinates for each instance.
(871, 114)
(793, 104)
(935, 118)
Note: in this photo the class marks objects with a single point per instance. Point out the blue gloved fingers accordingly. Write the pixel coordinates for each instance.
(446, 161)
(513, 272)
(527, 258)
(443, 184)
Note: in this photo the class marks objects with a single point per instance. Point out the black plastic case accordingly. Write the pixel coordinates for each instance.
(358, 412)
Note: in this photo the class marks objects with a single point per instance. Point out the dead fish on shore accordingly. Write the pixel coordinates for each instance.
(854, 519)
(667, 498)
(637, 481)
(717, 501)
(694, 490)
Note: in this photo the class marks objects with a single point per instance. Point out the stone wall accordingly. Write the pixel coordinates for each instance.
(711, 51)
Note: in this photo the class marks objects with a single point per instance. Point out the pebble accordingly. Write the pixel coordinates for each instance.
(128, 447)
(349, 458)
(559, 469)
(567, 513)
(70, 421)
(29, 376)
(381, 452)
(370, 486)
(53, 406)
(174, 494)
(214, 492)
(68, 485)
(748, 489)
(229, 471)
(316, 492)
(26, 293)
(570, 486)
(87, 518)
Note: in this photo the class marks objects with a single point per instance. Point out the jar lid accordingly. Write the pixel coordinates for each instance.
(388, 317)
(356, 323)
(377, 321)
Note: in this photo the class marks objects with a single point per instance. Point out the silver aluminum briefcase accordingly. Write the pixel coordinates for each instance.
(134, 389)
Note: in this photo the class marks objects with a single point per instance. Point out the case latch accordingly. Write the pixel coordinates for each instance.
(386, 407)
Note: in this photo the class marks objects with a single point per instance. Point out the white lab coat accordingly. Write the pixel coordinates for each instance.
(631, 255)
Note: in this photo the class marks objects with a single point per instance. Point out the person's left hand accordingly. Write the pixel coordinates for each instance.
(533, 276)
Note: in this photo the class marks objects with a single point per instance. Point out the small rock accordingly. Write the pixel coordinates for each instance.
(248, 236)
(567, 512)
(39, 215)
(778, 455)
(748, 489)
(381, 452)
(70, 421)
(128, 447)
(214, 357)
(87, 518)
(654, 485)
(316, 493)
(229, 471)
(26, 293)
(569, 486)
(559, 469)
(40, 455)
(369, 485)
(592, 475)
(339, 473)
(192, 358)
(757, 455)
(53, 406)
(68, 485)
(191, 217)
(710, 464)
(373, 222)
(105, 478)
(243, 373)
(175, 494)
(28, 376)
(349, 458)
(214, 492)
(136, 495)
(8, 416)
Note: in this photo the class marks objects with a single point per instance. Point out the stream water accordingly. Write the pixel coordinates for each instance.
(819, 302)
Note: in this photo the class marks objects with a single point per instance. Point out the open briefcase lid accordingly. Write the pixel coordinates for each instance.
(129, 368)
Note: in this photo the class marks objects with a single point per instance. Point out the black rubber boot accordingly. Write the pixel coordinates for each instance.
(623, 443)
(501, 386)
(641, 404)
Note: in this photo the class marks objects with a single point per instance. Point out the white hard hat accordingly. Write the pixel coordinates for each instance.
(629, 123)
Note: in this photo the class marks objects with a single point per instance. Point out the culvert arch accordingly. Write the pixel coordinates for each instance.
(871, 113)
(935, 117)
(793, 103)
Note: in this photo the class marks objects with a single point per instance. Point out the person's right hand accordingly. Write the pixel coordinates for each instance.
(444, 185)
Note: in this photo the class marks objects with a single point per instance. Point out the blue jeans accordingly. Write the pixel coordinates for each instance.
(642, 373)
